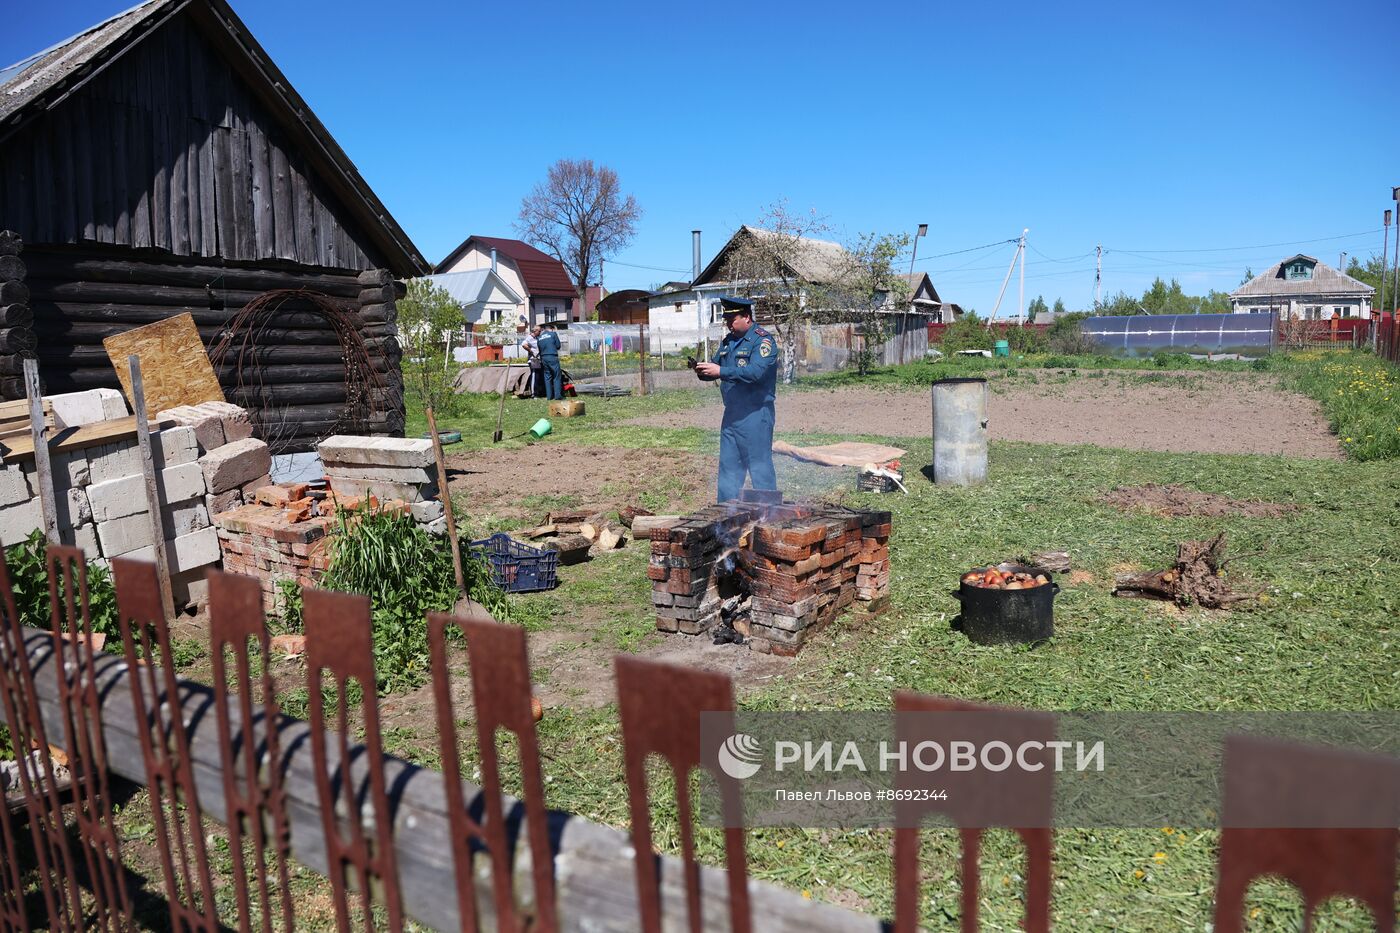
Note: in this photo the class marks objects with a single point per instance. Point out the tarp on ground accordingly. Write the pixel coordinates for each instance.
(490, 378)
(846, 453)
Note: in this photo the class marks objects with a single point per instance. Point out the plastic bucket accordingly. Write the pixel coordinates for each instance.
(1001, 348)
(541, 428)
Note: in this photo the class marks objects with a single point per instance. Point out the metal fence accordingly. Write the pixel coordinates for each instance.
(399, 841)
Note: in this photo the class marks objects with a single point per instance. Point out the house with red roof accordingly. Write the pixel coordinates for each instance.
(547, 294)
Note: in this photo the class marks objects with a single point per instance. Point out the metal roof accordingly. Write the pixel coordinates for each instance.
(544, 276)
(470, 287)
(1325, 281)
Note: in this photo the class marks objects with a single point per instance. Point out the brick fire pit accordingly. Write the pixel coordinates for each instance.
(774, 572)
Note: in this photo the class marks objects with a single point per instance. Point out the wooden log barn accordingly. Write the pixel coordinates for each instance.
(160, 163)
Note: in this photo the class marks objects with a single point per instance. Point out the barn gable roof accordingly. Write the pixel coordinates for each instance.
(544, 275)
(43, 81)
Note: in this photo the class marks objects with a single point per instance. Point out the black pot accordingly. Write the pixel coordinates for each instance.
(993, 617)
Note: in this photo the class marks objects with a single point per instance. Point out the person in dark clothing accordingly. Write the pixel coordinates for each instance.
(549, 357)
(746, 365)
(531, 346)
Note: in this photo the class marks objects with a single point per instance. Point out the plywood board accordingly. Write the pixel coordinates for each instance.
(174, 364)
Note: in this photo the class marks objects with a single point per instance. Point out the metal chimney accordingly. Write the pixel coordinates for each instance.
(694, 255)
(493, 259)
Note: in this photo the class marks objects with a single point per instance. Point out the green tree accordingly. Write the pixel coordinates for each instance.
(1215, 303)
(1370, 273)
(1059, 307)
(1037, 306)
(1119, 305)
(1248, 276)
(429, 320)
(1161, 298)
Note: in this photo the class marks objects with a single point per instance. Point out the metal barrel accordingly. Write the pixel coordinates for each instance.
(959, 432)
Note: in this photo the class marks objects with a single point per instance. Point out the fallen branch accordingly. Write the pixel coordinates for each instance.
(1195, 578)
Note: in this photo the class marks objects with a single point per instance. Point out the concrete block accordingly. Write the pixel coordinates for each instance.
(85, 537)
(251, 487)
(223, 502)
(113, 461)
(121, 536)
(408, 492)
(208, 428)
(190, 588)
(437, 526)
(235, 420)
(428, 511)
(17, 521)
(14, 486)
(235, 464)
(71, 409)
(174, 446)
(71, 507)
(71, 469)
(187, 552)
(352, 450)
(127, 495)
(184, 519)
(381, 474)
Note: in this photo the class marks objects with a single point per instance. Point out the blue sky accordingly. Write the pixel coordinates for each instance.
(1144, 128)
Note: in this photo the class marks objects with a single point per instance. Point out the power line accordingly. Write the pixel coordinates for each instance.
(1235, 249)
(632, 265)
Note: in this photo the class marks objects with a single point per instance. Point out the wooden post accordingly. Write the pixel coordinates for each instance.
(446, 499)
(642, 354)
(43, 469)
(148, 473)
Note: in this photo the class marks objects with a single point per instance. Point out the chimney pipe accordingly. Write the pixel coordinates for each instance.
(694, 255)
(493, 259)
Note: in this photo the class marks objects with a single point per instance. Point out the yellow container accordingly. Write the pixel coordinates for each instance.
(568, 408)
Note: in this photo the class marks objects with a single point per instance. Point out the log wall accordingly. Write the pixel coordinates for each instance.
(294, 380)
(17, 339)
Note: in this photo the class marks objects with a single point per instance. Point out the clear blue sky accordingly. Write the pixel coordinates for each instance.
(1190, 126)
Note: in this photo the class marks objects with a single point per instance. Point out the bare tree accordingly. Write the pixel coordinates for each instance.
(777, 265)
(865, 290)
(579, 215)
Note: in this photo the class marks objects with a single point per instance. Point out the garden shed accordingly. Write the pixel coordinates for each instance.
(160, 163)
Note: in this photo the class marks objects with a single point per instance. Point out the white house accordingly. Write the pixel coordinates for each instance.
(1300, 287)
(547, 294)
(484, 294)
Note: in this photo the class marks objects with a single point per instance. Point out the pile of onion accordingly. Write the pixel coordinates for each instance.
(994, 579)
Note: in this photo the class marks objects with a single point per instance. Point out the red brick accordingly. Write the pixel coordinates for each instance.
(781, 551)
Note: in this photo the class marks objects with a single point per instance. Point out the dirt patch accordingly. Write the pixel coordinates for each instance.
(523, 482)
(1201, 412)
(1178, 502)
(1079, 577)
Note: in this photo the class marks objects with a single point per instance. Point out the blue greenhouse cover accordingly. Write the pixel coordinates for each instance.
(1146, 334)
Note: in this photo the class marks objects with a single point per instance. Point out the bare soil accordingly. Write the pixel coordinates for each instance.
(1178, 502)
(1199, 412)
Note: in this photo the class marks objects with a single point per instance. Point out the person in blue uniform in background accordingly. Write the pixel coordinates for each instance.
(549, 357)
(746, 365)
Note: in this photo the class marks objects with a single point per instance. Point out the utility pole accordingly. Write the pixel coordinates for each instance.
(1385, 249)
(903, 313)
(1021, 298)
(1098, 277)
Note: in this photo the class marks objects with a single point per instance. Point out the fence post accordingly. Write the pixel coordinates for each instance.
(642, 357)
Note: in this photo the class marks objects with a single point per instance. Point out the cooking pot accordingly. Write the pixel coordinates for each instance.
(995, 616)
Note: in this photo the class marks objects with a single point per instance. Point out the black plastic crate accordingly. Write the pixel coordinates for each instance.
(874, 482)
(516, 567)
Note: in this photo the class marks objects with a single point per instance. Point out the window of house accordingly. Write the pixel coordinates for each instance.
(678, 307)
(1298, 270)
(496, 314)
(1312, 312)
(551, 314)
(1343, 310)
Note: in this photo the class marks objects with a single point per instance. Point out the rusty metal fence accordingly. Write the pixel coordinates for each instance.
(398, 841)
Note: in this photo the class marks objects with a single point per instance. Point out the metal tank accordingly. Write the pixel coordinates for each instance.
(959, 432)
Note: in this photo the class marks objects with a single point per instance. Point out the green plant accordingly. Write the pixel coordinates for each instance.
(967, 333)
(1065, 335)
(29, 578)
(428, 320)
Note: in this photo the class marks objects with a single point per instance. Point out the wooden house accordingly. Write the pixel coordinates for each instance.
(160, 163)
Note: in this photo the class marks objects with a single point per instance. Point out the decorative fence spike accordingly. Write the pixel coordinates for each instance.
(660, 707)
(82, 721)
(500, 673)
(339, 640)
(250, 750)
(972, 811)
(1269, 784)
(165, 747)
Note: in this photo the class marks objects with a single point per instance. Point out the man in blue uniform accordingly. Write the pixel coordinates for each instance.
(746, 365)
(549, 356)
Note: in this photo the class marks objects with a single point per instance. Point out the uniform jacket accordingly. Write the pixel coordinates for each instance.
(748, 370)
(549, 345)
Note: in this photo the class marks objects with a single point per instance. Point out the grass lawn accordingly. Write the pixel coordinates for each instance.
(1323, 636)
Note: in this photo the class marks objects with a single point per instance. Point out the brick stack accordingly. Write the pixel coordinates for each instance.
(804, 564)
(263, 541)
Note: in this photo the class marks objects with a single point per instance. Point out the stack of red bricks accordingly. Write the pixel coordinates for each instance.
(804, 563)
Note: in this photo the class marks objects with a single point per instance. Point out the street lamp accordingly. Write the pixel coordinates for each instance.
(904, 314)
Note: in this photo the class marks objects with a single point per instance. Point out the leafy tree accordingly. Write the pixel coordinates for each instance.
(580, 216)
(1161, 298)
(1215, 303)
(1065, 336)
(1248, 276)
(1119, 305)
(865, 290)
(1059, 307)
(428, 321)
(1370, 273)
(1037, 306)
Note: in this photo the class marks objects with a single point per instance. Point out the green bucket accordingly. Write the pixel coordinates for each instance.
(541, 428)
(1002, 348)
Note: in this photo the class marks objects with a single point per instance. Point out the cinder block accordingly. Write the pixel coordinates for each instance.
(235, 464)
(183, 519)
(14, 486)
(381, 474)
(113, 461)
(174, 446)
(190, 588)
(437, 526)
(121, 536)
(235, 420)
(187, 552)
(17, 521)
(208, 428)
(352, 450)
(71, 409)
(408, 492)
(223, 502)
(127, 495)
(85, 537)
(70, 469)
(71, 507)
(427, 511)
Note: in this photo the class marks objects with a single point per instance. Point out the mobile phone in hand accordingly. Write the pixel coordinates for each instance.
(691, 362)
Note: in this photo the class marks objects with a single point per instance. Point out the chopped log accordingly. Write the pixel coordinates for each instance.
(644, 525)
(573, 549)
(543, 531)
(566, 518)
(11, 244)
(589, 531)
(12, 292)
(18, 314)
(1048, 561)
(625, 515)
(18, 340)
(610, 539)
(12, 268)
